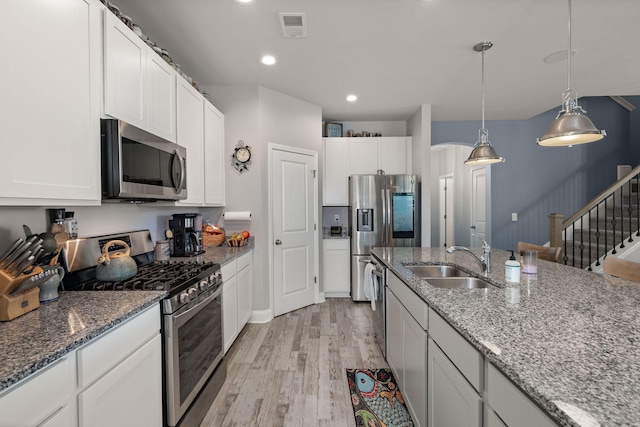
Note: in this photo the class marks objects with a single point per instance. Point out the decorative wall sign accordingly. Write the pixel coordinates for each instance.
(241, 157)
(332, 129)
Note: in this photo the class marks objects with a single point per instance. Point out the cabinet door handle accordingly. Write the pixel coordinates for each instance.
(278, 242)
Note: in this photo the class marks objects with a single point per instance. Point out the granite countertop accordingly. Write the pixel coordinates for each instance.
(568, 337)
(326, 233)
(38, 338)
(220, 254)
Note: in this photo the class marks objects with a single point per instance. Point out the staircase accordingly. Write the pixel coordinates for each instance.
(606, 225)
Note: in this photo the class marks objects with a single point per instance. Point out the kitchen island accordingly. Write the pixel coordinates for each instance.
(567, 337)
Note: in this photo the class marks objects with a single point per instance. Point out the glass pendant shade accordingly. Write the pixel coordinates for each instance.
(571, 126)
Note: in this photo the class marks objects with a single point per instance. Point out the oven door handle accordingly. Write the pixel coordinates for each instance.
(182, 318)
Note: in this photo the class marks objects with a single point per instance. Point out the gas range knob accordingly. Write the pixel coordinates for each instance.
(183, 297)
(193, 292)
(203, 285)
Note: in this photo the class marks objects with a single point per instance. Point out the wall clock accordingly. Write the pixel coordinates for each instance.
(241, 157)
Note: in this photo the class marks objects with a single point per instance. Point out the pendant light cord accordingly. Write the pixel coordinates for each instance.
(569, 51)
(483, 89)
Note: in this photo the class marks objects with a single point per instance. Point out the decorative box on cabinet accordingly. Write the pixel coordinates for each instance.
(50, 110)
(336, 259)
(237, 293)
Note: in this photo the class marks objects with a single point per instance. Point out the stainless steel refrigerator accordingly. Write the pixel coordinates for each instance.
(384, 210)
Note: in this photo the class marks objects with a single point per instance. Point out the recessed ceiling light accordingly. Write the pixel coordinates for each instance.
(558, 56)
(268, 60)
(244, 1)
(352, 98)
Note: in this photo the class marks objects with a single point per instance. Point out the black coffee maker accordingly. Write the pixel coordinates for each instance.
(187, 234)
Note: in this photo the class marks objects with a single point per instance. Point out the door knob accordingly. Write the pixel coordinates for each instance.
(278, 242)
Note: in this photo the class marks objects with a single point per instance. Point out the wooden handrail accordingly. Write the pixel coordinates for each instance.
(600, 197)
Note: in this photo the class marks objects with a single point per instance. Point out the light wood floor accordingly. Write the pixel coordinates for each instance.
(291, 371)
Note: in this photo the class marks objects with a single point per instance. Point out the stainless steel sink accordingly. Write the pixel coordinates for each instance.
(459, 283)
(436, 271)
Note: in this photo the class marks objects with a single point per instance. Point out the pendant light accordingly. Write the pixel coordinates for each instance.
(483, 153)
(571, 126)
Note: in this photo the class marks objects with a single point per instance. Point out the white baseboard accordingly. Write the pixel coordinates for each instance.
(261, 316)
(320, 298)
(337, 294)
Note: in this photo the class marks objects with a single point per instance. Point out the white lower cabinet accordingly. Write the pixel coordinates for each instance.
(452, 400)
(133, 387)
(237, 290)
(126, 390)
(510, 404)
(336, 258)
(407, 355)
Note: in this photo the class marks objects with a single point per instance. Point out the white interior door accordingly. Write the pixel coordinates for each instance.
(446, 211)
(478, 206)
(294, 212)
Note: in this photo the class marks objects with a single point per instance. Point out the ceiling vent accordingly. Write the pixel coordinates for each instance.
(293, 24)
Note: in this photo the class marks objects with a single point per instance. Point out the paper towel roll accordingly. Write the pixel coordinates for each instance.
(237, 216)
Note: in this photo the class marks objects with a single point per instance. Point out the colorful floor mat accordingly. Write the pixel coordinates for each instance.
(376, 400)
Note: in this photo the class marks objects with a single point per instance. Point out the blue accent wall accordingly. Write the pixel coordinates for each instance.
(535, 181)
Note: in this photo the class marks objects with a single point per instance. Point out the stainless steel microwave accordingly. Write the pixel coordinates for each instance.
(140, 166)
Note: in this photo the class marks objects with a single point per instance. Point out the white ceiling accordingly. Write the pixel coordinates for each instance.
(398, 54)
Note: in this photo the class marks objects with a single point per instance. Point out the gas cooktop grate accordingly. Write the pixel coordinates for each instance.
(154, 276)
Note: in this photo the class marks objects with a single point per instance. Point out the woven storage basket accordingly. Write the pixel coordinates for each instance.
(212, 240)
(236, 243)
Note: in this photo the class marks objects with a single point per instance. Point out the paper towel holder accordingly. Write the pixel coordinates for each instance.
(237, 216)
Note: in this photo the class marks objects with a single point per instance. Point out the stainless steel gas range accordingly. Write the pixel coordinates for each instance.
(193, 347)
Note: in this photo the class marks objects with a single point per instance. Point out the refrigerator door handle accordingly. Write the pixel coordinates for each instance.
(388, 224)
(365, 260)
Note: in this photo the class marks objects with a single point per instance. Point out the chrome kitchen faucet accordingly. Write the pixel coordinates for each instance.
(484, 260)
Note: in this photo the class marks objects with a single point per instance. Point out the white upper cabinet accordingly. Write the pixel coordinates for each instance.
(140, 87)
(161, 97)
(51, 91)
(191, 136)
(361, 156)
(335, 188)
(214, 159)
(125, 72)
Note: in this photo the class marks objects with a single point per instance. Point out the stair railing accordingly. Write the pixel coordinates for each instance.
(609, 211)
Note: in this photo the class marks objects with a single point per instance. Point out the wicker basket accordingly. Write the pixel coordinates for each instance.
(212, 240)
(236, 243)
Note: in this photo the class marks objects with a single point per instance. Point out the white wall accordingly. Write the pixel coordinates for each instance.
(419, 128)
(258, 116)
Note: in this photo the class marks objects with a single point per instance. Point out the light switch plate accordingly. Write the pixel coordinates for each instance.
(514, 216)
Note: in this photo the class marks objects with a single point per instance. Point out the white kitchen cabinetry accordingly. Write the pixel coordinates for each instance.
(512, 405)
(43, 397)
(139, 85)
(237, 293)
(335, 188)
(336, 260)
(191, 136)
(407, 345)
(358, 156)
(214, 159)
(452, 400)
(51, 94)
(115, 379)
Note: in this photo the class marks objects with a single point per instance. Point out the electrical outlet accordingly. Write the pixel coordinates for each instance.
(514, 216)
(336, 218)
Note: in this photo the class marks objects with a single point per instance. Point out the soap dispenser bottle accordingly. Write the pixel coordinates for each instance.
(512, 270)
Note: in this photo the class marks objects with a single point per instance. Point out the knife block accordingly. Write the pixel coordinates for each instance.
(12, 306)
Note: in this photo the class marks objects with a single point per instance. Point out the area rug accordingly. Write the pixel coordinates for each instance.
(376, 399)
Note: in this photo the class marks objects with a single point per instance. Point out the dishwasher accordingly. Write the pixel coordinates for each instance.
(379, 315)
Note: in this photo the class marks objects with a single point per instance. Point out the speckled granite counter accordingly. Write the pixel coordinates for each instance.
(569, 338)
(220, 254)
(34, 340)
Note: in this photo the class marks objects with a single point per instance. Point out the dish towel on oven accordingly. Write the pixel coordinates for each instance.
(370, 285)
